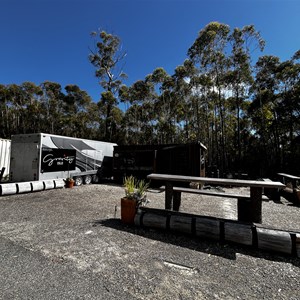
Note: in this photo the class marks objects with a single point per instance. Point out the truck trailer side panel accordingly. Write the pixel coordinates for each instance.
(5, 156)
(24, 161)
(43, 156)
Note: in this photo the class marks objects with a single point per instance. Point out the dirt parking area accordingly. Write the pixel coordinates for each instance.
(70, 244)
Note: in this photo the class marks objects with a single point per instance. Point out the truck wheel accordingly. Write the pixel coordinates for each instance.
(78, 181)
(87, 179)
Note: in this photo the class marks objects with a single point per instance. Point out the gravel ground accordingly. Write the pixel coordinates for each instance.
(72, 239)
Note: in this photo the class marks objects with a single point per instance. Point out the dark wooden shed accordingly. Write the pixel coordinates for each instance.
(142, 160)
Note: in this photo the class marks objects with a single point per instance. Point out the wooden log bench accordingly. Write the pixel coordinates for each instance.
(249, 207)
(207, 227)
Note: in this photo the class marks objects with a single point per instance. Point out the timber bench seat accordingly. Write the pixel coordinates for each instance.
(288, 176)
(208, 193)
(249, 207)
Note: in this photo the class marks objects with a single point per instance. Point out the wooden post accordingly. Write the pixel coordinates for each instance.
(250, 211)
(256, 204)
(243, 208)
(176, 200)
(169, 195)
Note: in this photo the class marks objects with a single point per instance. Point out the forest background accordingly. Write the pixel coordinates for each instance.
(246, 113)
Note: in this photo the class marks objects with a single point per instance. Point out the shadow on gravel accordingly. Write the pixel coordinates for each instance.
(223, 249)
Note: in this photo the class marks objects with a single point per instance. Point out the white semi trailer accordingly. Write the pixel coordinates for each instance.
(4, 158)
(41, 156)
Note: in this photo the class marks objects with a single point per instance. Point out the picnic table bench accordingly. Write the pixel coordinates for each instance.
(291, 192)
(249, 207)
(289, 178)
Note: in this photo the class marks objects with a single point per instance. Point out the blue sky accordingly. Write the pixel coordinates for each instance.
(50, 39)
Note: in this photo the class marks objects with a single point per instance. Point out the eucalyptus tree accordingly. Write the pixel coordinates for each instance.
(208, 53)
(20, 107)
(107, 57)
(5, 104)
(17, 109)
(182, 92)
(164, 104)
(52, 107)
(263, 110)
(139, 115)
(289, 106)
(76, 111)
(92, 130)
(134, 126)
(202, 106)
(275, 108)
(194, 90)
(264, 106)
(294, 105)
(32, 113)
(117, 130)
(243, 42)
(105, 106)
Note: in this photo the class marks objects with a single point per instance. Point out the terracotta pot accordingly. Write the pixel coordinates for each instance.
(128, 210)
(69, 184)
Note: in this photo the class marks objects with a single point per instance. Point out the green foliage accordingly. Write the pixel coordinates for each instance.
(136, 189)
(106, 58)
(130, 186)
(247, 115)
(28, 108)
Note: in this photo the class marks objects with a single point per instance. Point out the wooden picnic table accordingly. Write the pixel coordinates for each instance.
(249, 208)
(289, 178)
(291, 192)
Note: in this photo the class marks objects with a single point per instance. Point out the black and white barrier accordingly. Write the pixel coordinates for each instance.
(28, 187)
(247, 234)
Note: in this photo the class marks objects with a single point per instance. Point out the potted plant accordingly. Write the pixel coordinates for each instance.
(69, 182)
(135, 195)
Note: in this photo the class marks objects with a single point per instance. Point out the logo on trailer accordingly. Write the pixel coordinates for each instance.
(54, 160)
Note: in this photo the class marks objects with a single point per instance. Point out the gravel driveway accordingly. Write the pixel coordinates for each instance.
(70, 244)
